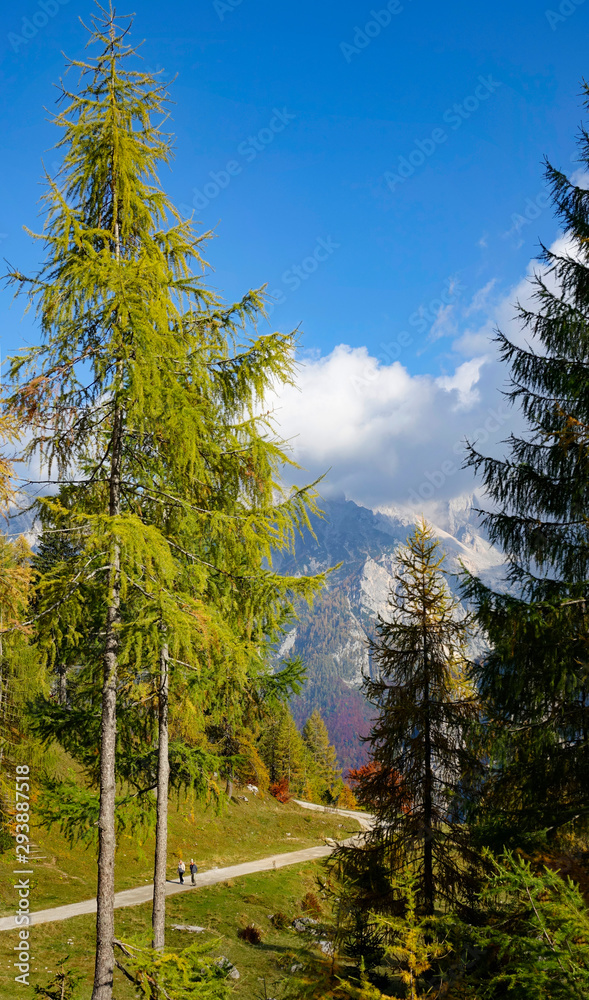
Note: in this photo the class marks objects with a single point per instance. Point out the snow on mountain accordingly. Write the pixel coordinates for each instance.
(332, 637)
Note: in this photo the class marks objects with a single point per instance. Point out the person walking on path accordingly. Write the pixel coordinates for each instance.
(193, 871)
(181, 870)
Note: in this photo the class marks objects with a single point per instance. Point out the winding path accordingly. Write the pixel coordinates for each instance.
(144, 893)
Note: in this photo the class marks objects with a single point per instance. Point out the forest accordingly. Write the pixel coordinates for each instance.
(140, 619)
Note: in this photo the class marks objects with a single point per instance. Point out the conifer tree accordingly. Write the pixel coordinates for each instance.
(283, 750)
(17, 664)
(137, 399)
(425, 706)
(538, 928)
(8, 434)
(535, 680)
(325, 772)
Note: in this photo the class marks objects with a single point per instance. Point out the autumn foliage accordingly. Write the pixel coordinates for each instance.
(369, 781)
(280, 790)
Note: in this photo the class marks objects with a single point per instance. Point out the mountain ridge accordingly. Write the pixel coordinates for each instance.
(332, 636)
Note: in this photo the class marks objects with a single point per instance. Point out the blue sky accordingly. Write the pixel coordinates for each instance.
(295, 124)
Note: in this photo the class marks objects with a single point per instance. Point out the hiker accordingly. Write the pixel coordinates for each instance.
(181, 870)
(193, 870)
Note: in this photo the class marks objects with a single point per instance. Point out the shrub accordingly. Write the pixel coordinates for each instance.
(6, 841)
(280, 790)
(280, 920)
(310, 904)
(251, 934)
(61, 987)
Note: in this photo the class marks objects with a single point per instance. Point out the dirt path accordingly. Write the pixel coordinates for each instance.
(366, 820)
(144, 893)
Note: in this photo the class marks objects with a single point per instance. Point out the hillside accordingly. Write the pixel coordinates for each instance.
(66, 873)
(331, 637)
(284, 960)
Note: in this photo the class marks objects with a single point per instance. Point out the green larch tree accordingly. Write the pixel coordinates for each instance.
(125, 399)
(325, 773)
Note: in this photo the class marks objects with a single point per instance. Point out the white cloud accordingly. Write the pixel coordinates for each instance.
(580, 177)
(443, 324)
(480, 299)
(464, 381)
(388, 436)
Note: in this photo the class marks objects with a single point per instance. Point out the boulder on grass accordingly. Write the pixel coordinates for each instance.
(227, 967)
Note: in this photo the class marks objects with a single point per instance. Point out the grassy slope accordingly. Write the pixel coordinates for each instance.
(243, 832)
(222, 909)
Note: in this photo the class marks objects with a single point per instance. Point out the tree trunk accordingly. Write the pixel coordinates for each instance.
(105, 897)
(229, 747)
(62, 684)
(158, 917)
(428, 872)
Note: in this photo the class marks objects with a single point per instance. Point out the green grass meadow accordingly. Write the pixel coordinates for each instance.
(243, 832)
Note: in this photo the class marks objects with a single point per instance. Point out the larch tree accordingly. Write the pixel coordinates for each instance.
(535, 679)
(325, 772)
(20, 673)
(137, 401)
(421, 759)
(283, 750)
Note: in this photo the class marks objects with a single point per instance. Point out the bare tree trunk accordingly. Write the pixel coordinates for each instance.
(105, 897)
(158, 917)
(428, 872)
(62, 684)
(229, 747)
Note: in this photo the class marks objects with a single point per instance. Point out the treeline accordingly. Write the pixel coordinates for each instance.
(344, 709)
(303, 765)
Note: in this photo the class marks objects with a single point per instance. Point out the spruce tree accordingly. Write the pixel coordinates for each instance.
(142, 400)
(418, 745)
(535, 678)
